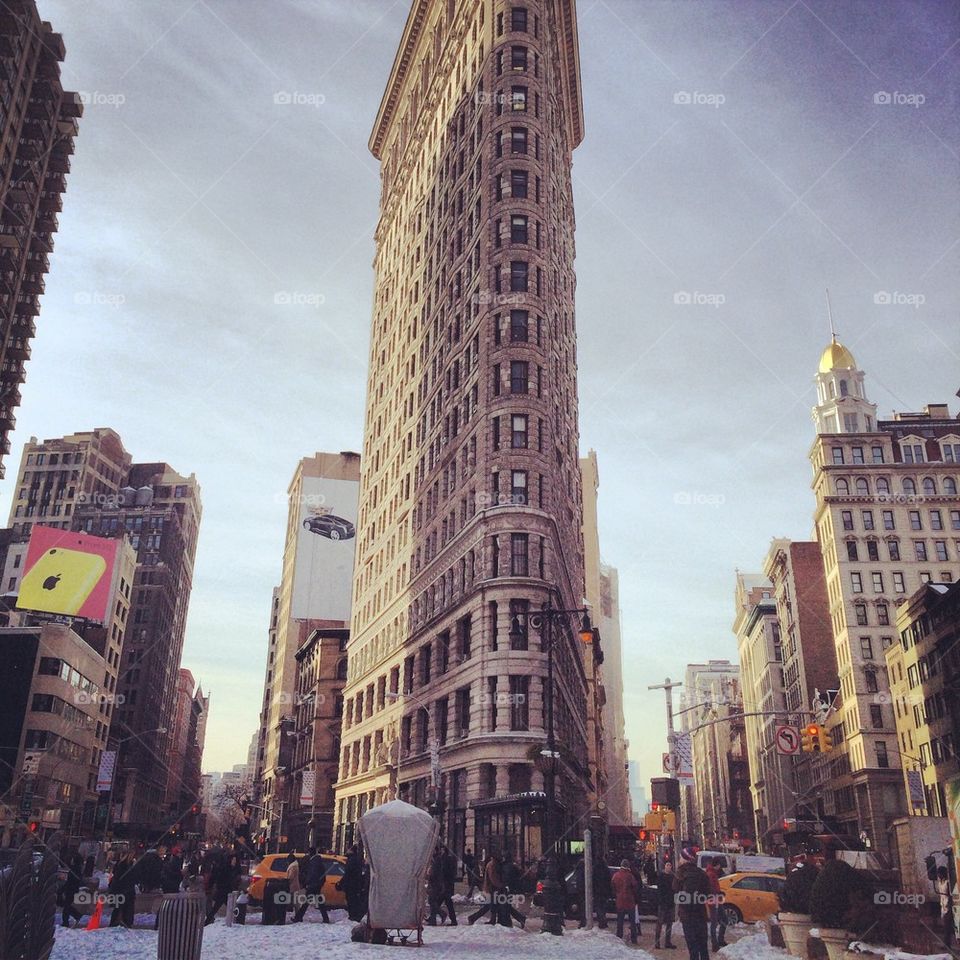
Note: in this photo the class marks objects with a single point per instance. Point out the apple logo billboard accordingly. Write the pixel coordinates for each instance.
(326, 547)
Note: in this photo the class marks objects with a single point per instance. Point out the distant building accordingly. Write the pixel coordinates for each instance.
(924, 669)
(757, 628)
(39, 127)
(87, 482)
(184, 789)
(314, 593)
(887, 512)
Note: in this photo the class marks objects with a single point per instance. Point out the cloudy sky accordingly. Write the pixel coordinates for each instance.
(210, 293)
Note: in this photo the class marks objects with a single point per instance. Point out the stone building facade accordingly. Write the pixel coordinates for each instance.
(470, 510)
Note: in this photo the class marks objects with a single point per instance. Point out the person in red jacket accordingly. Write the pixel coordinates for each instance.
(624, 886)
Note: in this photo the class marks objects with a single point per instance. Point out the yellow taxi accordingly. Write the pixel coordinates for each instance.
(274, 867)
(750, 896)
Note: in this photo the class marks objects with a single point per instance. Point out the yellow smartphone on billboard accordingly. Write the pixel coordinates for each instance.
(60, 581)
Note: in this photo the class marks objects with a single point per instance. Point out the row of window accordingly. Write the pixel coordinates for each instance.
(861, 486)
(899, 582)
(888, 520)
(940, 550)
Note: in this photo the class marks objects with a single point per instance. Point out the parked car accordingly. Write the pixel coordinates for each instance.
(750, 896)
(274, 867)
(327, 525)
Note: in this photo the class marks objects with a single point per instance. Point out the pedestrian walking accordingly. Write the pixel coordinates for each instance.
(718, 919)
(666, 907)
(313, 873)
(512, 893)
(692, 888)
(294, 886)
(352, 884)
(470, 871)
(69, 890)
(171, 874)
(492, 887)
(626, 896)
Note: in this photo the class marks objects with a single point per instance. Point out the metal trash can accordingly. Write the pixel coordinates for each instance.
(240, 909)
(180, 926)
(276, 899)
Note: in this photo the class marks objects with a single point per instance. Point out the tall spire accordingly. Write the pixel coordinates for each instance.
(833, 332)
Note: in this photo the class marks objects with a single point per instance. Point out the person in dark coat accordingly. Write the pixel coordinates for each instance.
(352, 884)
(171, 875)
(149, 871)
(666, 907)
(626, 892)
(313, 872)
(513, 883)
(601, 891)
(70, 888)
(89, 865)
(224, 877)
(441, 880)
(123, 889)
(469, 862)
(692, 888)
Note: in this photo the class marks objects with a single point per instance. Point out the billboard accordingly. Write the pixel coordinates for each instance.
(68, 573)
(326, 544)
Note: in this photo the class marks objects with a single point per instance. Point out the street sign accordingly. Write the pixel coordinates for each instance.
(787, 740)
(31, 763)
(670, 762)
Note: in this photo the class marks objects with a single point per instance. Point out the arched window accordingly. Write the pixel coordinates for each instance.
(863, 488)
(843, 488)
(909, 486)
(883, 485)
(929, 486)
(949, 485)
(844, 389)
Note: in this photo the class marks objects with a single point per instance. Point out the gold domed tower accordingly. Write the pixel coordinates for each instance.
(842, 404)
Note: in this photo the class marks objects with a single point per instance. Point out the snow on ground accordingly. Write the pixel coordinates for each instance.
(754, 946)
(308, 940)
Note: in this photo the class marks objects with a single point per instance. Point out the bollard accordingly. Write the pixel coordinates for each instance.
(180, 925)
(231, 908)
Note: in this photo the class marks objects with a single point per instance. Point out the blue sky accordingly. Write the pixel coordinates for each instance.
(210, 292)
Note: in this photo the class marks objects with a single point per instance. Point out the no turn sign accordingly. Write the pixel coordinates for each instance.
(787, 740)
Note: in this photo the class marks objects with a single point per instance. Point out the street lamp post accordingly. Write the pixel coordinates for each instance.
(552, 890)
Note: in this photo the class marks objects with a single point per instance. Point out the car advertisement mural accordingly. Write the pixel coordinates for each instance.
(326, 544)
(66, 573)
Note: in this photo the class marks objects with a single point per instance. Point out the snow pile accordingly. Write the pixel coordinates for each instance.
(310, 939)
(894, 953)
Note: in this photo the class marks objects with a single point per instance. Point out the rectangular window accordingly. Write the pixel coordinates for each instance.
(916, 523)
(894, 547)
(519, 702)
(941, 548)
(876, 716)
(847, 518)
(519, 376)
(518, 184)
(518, 58)
(496, 379)
(495, 435)
(877, 454)
(519, 326)
(912, 453)
(858, 454)
(463, 711)
(877, 579)
(873, 551)
(861, 612)
(519, 555)
(518, 434)
(518, 19)
(837, 455)
(866, 648)
(955, 519)
(888, 521)
(883, 760)
(936, 520)
(518, 486)
(852, 550)
(898, 584)
(920, 549)
(518, 101)
(518, 139)
(883, 615)
(519, 276)
(518, 229)
(856, 582)
(867, 517)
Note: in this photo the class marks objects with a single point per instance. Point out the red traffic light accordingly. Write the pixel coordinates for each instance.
(34, 826)
(812, 729)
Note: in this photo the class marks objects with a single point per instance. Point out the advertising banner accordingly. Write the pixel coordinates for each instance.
(326, 544)
(108, 760)
(68, 573)
(683, 749)
(308, 788)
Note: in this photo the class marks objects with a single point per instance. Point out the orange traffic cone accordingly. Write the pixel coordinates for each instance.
(94, 922)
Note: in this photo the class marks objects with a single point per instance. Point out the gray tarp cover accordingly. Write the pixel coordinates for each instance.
(399, 839)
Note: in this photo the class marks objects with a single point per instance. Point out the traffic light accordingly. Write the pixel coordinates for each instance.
(826, 741)
(810, 742)
(643, 834)
(34, 826)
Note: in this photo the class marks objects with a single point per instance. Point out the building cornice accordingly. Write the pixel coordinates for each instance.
(412, 32)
